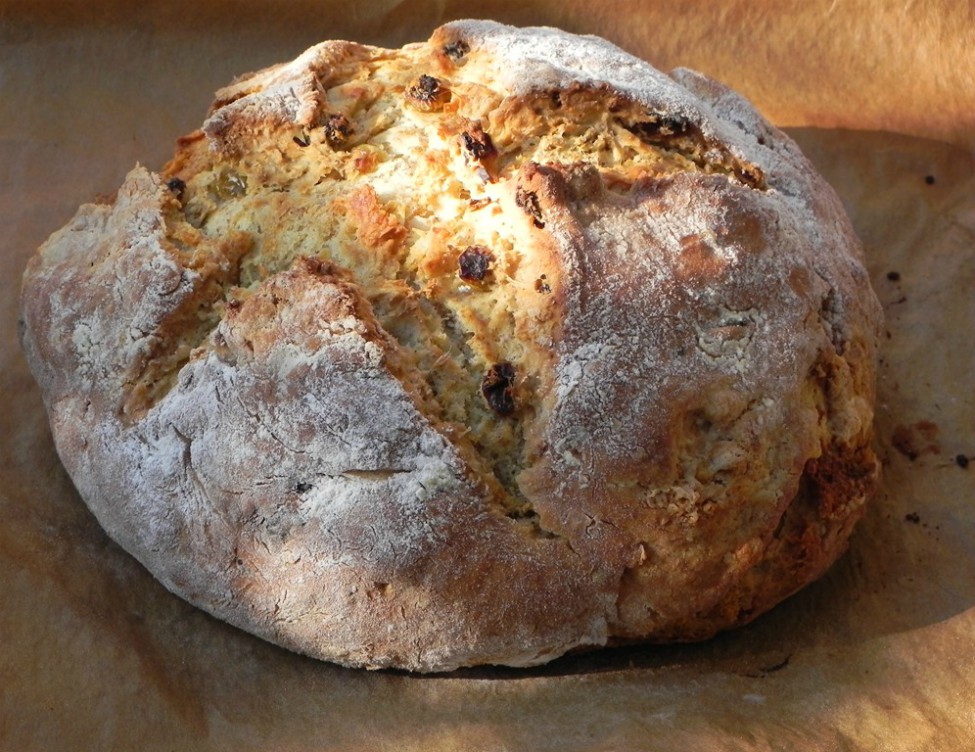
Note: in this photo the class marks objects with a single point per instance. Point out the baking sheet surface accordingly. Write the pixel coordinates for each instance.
(880, 655)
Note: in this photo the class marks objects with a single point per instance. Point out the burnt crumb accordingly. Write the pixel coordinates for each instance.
(894, 276)
(912, 517)
(474, 263)
(303, 140)
(428, 93)
(528, 201)
(178, 187)
(542, 286)
(479, 203)
(962, 461)
(556, 98)
(456, 50)
(497, 388)
(929, 179)
(338, 130)
(301, 487)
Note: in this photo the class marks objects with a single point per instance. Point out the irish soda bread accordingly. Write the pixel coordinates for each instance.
(477, 351)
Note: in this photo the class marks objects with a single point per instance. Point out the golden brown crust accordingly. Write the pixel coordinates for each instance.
(472, 352)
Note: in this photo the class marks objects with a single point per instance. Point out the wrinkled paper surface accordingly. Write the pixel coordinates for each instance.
(879, 655)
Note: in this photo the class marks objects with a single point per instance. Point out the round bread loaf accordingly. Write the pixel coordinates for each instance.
(478, 351)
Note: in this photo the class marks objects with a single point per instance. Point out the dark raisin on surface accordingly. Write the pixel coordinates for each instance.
(456, 50)
(528, 200)
(302, 487)
(427, 93)
(929, 179)
(912, 517)
(478, 144)
(474, 263)
(750, 175)
(542, 285)
(338, 129)
(178, 187)
(893, 276)
(659, 127)
(962, 461)
(497, 388)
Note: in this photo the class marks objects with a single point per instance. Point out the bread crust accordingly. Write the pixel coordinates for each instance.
(645, 415)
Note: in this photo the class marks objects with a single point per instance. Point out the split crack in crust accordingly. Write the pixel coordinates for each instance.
(472, 352)
(401, 249)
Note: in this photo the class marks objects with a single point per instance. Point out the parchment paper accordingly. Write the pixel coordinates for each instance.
(880, 655)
